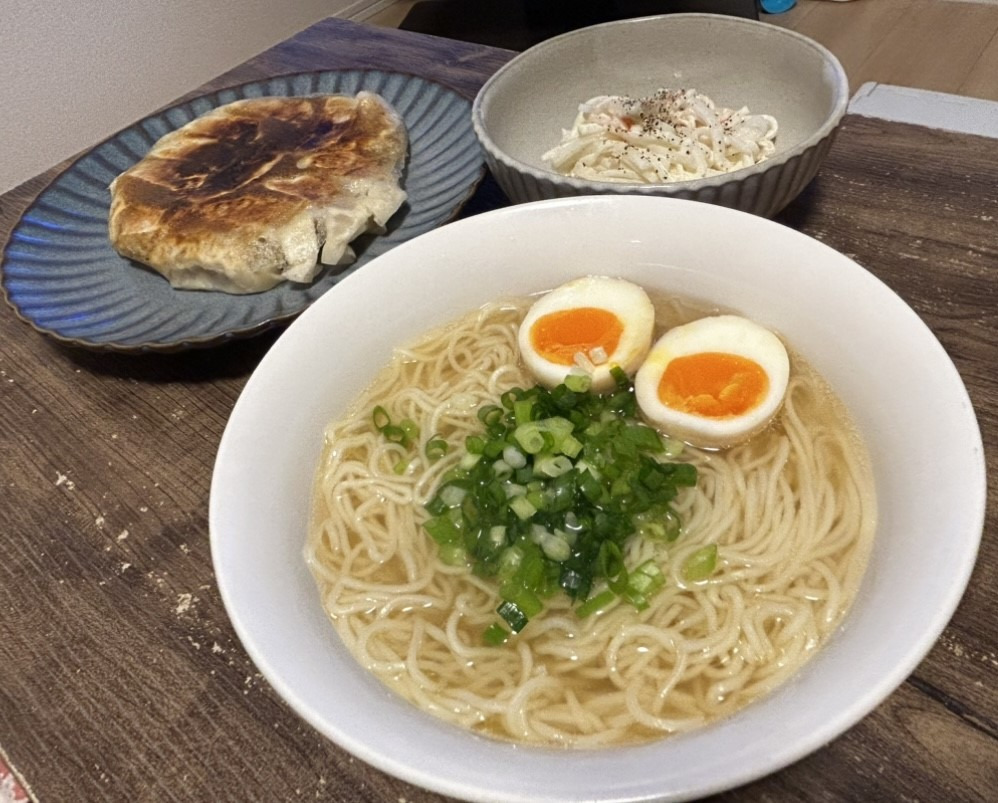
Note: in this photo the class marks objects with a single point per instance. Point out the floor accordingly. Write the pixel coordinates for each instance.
(942, 45)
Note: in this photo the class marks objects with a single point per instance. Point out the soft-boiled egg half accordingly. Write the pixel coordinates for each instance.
(714, 382)
(587, 325)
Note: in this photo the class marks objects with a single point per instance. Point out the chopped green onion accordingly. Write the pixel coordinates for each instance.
(646, 577)
(490, 415)
(594, 604)
(610, 560)
(435, 448)
(672, 448)
(497, 535)
(453, 555)
(556, 548)
(501, 469)
(545, 498)
(411, 430)
(572, 582)
(453, 495)
(514, 457)
(405, 433)
(522, 409)
(642, 583)
(381, 418)
(445, 529)
(701, 564)
(643, 437)
(494, 635)
(395, 434)
(570, 446)
(522, 507)
(532, 438)
(469, 461)
(526, 600)
(509, 561)
(659, 525)
(537, 498)
(513, 616)
(591, 487)
(552, 465)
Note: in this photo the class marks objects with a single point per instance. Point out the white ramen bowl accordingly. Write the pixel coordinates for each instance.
(863, 338)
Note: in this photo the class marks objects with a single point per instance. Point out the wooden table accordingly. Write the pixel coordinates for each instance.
(120, 676)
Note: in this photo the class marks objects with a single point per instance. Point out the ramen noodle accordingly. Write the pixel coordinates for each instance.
(792, 513)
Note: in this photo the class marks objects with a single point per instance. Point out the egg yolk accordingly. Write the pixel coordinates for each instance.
(559, 336)
(713, 384)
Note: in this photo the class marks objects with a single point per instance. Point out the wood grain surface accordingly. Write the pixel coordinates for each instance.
(947, 46)
(120, 676)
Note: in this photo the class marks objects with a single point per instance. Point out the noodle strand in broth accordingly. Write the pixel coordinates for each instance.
(791, 511)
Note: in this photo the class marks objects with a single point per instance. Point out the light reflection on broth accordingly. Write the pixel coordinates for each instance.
(792, 512)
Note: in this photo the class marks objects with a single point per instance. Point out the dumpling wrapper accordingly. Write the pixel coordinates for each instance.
(261, 191)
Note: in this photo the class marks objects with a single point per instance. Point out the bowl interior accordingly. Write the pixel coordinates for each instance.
(863, 338)
(736, 62)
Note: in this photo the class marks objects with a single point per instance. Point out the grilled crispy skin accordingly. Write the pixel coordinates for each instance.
(260, 191)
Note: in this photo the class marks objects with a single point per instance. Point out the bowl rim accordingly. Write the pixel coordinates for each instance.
(225, 537)
(584, 186)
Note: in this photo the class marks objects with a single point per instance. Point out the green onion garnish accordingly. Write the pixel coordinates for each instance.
(494, 635)
(395, 434)
(435, 449)
(547, 495)
(595, 604)
(411, 430)
(701, 564)
(381, 418)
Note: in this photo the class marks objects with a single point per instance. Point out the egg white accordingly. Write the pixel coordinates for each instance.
(729, 334)
(627, 301)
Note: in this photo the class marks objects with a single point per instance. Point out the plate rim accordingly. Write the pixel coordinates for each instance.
(239, 332)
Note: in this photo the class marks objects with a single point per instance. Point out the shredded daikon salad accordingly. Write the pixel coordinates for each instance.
(672, 135)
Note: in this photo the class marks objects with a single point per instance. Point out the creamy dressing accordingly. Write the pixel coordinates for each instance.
(672, 135)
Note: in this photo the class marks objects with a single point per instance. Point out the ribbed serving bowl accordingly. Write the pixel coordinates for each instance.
(520, 112)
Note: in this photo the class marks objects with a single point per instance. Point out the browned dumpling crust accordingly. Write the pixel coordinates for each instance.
(261, 191)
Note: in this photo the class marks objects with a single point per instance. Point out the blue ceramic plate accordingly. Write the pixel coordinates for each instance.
(62, 276)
